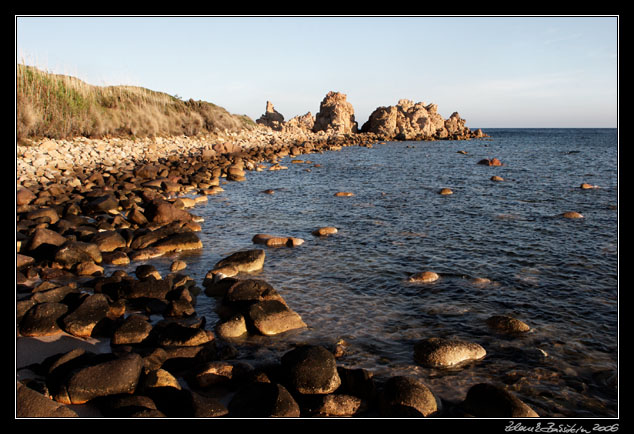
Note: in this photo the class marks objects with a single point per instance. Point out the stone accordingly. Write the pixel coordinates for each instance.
(271, 118)
(490, 162)
(162, 212)
(30, 403)
(491, 401)
(175, 335)
(133, 330)
(586, 186)
(160, 378)
(497, 178)
(204, 406)
(507, 324)
(572, 215)
(178, 242)
(74, 252)
(246, 261)
(42, 319)
(445, 191)
(261, 400)
(311, 369)
(406, 397)
(251, 291)
(277, 241)
(272, 317)
(446, 353)
(24, 196)
(339, 405)
(216, 373)
(324, 231)
(119, 375)
(178, 265)
(423, 277)
(344, 194)
(108, 241)
(44, 238)
(49, 214)
(234, 327)
(83, 319)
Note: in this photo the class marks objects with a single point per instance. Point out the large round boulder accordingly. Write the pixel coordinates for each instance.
(444, 353)
(311, 369)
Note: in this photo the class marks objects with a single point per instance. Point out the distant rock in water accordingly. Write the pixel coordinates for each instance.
(416, 121)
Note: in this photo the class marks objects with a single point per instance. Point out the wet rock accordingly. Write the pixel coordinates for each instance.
(43, 319)
(444, 353)
(82, 320)
(88, 269)
(249, 291)
(44, 242)
(234, 327)
(572, 215)
(445, 191)
(488, 400)
(586, 186)
(246, 261)
(507, 324)
(325, 231)
(30, 403)
(490, 162)
(146, 270)
(277, 241)
(179, 308)
(344, 194)
(178, 265)
(119, 375)
(311, 369)
(497, 178)
(406, 397)
(178, 242)
(358, 382)
(133, 330)
(272, 317)
(263, 400)
(423, 277)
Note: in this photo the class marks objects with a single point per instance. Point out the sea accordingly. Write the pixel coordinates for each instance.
(558, 275)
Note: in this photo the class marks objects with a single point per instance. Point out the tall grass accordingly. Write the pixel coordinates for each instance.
(60, 106)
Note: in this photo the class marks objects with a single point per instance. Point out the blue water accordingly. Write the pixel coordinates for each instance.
(558, 275)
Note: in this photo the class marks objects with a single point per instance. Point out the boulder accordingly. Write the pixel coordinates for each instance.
(277, 241)
(178, 242)
(335, 114)
(406, 397)
(572, 215)
(490, 162)
(249, 291)
(491, 401)
(119, 375)
(324, 231)
(339, 405)
(311, 370)
(163, 212)
(262, 400)
(43, 319)
(445, 353)
(133, 330)
(407, 121)
(272, 317)
(245, 261)
(45, 239)
(30, 403)
(83, 319)
(234, 327)
(174, 334)
(108, 241)
(24, 196)
(75, 252)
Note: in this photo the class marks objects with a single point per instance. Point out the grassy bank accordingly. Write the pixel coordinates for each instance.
(59, 106)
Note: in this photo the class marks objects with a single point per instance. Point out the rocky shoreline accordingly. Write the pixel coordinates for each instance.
(82, 203)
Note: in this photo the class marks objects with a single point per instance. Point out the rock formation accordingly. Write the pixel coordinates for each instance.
(336, 115)
(271, 118)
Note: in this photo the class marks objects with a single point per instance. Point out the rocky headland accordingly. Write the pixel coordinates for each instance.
(85, 203)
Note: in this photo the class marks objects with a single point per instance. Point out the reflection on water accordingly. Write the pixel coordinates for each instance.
(557, 275)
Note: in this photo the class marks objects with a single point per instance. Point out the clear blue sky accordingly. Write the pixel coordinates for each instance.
(495, 71)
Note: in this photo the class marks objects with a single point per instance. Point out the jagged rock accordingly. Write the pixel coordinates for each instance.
(75, 252)
(335, 114)
(271, 118)
(407, 121)
(303, 123)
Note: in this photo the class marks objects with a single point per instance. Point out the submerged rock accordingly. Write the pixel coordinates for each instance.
(507, 324)
(424, 277)
(488, 400)
(445, 353)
